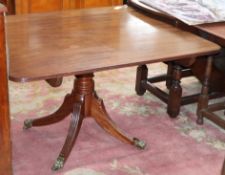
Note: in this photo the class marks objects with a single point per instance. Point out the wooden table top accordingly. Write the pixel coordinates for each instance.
(51, 45)
(217, 30)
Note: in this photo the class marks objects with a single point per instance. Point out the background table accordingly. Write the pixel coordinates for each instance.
(189, 67)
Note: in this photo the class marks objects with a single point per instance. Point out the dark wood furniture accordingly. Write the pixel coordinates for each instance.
(77, 43)
(34, 6)
(5, 141)
(179, 69)
(216, 33)
(206, 110)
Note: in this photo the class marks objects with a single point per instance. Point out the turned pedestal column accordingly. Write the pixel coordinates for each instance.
(82, 102)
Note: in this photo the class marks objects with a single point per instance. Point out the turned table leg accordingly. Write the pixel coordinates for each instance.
(175, 93)
(204, 97)
(169, 75)
(82, 102)
(142, 75)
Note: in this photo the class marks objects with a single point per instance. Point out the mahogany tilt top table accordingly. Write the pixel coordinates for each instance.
(81, 42)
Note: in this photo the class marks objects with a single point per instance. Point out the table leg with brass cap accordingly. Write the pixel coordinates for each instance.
(81, 103)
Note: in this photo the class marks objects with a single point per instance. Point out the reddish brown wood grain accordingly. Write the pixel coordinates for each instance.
(5, 141)
(99, 3)
(216, 32)
(84, 41)
(33, 6)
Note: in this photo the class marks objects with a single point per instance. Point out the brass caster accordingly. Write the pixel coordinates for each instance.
(27, 124)
(59, 163)
(139, 143)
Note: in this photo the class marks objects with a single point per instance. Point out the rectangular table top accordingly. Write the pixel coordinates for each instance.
(43, 46)
(216, 30)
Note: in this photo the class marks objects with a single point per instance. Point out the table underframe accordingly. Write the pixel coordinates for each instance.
(82, 102)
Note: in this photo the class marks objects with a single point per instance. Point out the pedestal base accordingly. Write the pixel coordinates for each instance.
(82, 102)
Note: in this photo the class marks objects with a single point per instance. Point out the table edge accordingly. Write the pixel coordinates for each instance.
(194, 55)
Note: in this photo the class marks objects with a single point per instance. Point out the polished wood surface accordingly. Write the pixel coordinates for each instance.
(99, 3)
(34, 6)
(83, 41)
(216, 32)
(5, 141)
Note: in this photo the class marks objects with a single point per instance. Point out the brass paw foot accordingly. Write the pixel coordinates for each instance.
(139, 143)
(59, 163)
(27, 124)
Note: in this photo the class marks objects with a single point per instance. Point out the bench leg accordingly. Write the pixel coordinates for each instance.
(142, 73)
(175, 93)
(169, 75)
(204, 97)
